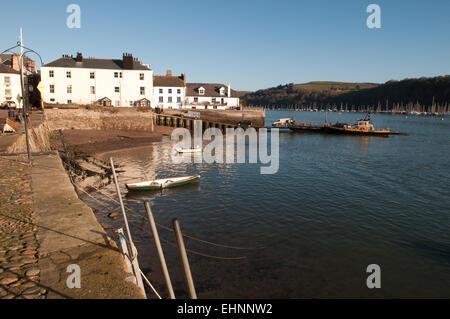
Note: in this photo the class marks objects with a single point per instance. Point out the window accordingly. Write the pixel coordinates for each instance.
(214, 100)
(142, 90)
(51, 73)
(178, 99)
(201, 91)
(92, 89)
(117, 89)
(170, 90)
(179, 91)
(161, 99)
(116, 74)
(195, 99)
(92, 75)
(131, 103)
(7, 80)
(120, 74)
(69, 74)
(52, 88)
(52, 100)
(69, 89)
(141, 76)
(222, 91)
(161, 91)
(8, 93)
(69, 101)
(169, 99)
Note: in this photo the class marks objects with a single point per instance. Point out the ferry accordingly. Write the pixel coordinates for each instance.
(362, 127)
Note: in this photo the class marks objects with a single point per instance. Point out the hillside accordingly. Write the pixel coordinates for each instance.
(336, 86)
(422, 93)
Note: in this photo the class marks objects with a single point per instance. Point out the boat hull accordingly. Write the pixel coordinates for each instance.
(339, 130)
(150, 186)
(306, 129)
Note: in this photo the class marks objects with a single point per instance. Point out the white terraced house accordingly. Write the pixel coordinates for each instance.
(10, 88)
(106, 82)
(169, 91)
(210, 96)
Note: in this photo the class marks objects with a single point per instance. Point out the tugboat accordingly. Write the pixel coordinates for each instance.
(362, 127)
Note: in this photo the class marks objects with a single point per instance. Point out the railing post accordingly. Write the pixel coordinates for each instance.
(160, 251)
(133, 251)
(184, 259)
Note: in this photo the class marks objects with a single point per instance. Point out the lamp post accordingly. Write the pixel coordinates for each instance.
(22, 86)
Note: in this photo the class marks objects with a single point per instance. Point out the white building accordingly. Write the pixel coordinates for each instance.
(169, 91)
(210, 96)
(79, 80)
(10, 88)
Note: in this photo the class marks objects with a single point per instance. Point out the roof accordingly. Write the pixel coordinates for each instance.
(6, 57)
(6, 69)
(91, 63)
(105, 98)
(164, 80)
(211, 89)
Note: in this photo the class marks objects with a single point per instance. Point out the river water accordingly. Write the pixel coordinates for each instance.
(336, 205)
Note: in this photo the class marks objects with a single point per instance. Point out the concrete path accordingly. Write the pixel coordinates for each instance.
(69, 234)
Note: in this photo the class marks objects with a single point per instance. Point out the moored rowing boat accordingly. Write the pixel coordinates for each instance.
(162, 183)
(189, 150)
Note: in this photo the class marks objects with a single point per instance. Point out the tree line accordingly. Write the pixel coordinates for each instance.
(420, 94)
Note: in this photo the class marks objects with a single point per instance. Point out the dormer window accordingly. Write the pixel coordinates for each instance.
(201, 91)
(222, 91)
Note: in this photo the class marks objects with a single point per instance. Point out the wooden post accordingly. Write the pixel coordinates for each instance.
(184, 259)
(134, 261)
(159, 249)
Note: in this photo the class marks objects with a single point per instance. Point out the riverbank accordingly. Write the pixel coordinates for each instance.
(91, 142)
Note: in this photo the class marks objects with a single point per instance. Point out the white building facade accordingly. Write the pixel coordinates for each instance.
(10, 87)
(210, 96)
(107, 82)
(169, 91)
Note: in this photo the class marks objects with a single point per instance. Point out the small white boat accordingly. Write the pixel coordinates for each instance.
(189, 150)
(162, 183)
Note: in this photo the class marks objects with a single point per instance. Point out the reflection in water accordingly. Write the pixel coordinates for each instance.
(336, 205)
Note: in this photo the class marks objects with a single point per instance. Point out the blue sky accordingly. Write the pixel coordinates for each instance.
(253, 44)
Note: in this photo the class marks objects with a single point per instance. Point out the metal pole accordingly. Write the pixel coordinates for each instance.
(137, 271)
(184, 259)
(25, 117)
(159, 249)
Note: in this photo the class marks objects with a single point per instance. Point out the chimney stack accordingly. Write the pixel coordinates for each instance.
(79, 57)
(169, 73)
(229, 89)
(183, 76)
(128, 61)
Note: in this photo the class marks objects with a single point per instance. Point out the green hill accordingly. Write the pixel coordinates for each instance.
(424, 94)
